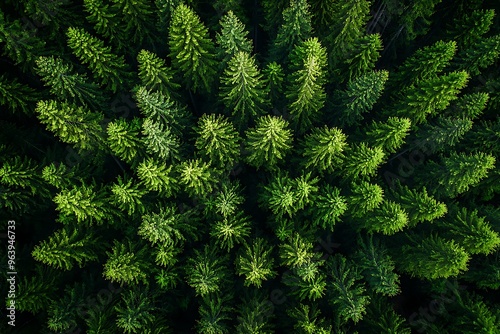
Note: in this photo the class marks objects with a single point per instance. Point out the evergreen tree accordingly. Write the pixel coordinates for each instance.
(160, 140)
(136, 17)
(106, 66)
(389, 135)
(60, 176)
(306, 281)
(323, 149)
(67, 247)
(36, 292)
(347, 292)
(126, 263)
(214, 315)
(106, 22)
(280, 196)
(415, 20)
(306, 92)
(192, 57)
(327, 207)
(377, 267)
(62, 313)
(127, 195)
(124, 139)
(72, 124)
(445, 133)
(295, 28)
(363, 160)
(479, 56)
(16, 96)
(471, 231)
(197, 177)
(388, 219)
(433, 257)
(268, 142)
(155, 75)
(365, 53)
(231, 230)
(360, 96)
(430, 96)
(456, 173)
(22, 173)
(135, 312)
(255, 263)
(225, 202)
(381, 317)
(365, 197)
(469, 105)
(474, 316)
(242, 89)
(297, 251)
(470, 28)
(156, 176)
(274, 78)
(206, 271)
(307, 320)
(255, 313)
(232, 38)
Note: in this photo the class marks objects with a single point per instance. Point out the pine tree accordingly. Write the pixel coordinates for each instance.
(470, 28)
(419, 205)
(456, 173)
(348, 293)
(307, 320)
(36, 292)
(157, 176)
(469, 105)
(295, 28)
(474, 316)
(126, 263)
(274, 78)
(360, 96)
(296, 251)
(255, 313)
(280, 196)
(268, 142)
(471, 231)
(430, 96)
(193, 57)
(137, 18)
(106, 22)
(62, 313)
(255, 263)
(124, 139)
(381, 317)
(22, 173)
(232, 38)
(206, 271)
(242, 89)
(328, 207)
(323, 149)
(127, 195)
(226, 202)
(446, 133)
(17, 96)
(306, 189)
(60, 176)
(72, 124)
(273, 15)
(155, 75)
(415, 20)
(85, 203)
(214, 315)
(68, 85)
(388, 219)
(485, 135)
(365, 197)
(106, 66)
(67, 247)
(377, 267)
(433, 257)
(306, 92)
(231, 230)
(363, 160)
(160, 140)
(389, 135)
(365, 53)
(135, 312)
(306, 281)
(479, 56)
(197, 177)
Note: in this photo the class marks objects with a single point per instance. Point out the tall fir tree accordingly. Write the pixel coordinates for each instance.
(232, 38)
(255, 263)
(155, 75)
(16, 96)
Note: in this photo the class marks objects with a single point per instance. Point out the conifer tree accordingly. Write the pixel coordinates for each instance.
(231, 230)
(127, 195)
(296, 251)
(214, 315)
(160, 140)
(430, 96)
(232, 38)
(365, 53)
(323, 149)
(469, 106)
(415, 20)
(445, 133)
(456, 173)
(136, 17)
(60, 176)
(306, 92)
(471, 231)
(433, 257)
(91, 51)
(307, 320)
(470, 28)
(193, 58)
(197, 177)
(419, 205)
(206, 271)
(348, 293)
(268, 142)
(62, 313)
(157, 176)
(135, 312)
(388, 219)
(485, 135)
(22, 173)
(242, 89)
(225, 202)
(306, 281)
(126, 263)
(17, 96)
(273, 15)
(389, 135)
(67, 247)
(365, 197)
(155, 75)
(360, 96)
(381, 317)
(36, 292)
(124, 139)
(280, 196)
(106, 22)
(474, 316)
(306, 189)
(274, 77)
(255, 263)
(328, 207)
(363, 160)
(255, 313)
(376, 266)
(295, 28)
(72, 124)
(479, 56)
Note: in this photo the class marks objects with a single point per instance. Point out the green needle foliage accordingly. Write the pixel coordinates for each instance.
(126, 264)
(328, 207)
(191, 49)
(16, 96)
(197, 177)
(255, 263)
(230, 231)
(155, 75)
(323, 149)
(232, 38)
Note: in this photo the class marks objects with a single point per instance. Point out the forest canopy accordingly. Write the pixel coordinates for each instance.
(274, 166)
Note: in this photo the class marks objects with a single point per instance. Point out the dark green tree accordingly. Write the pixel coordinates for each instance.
(157, 176)
(479, 56)
(135, 312)
(365, 197)
(124, 139)
(127, 263)
(17, 96)
(255, 262)
(362, 160)
(323, 148)
(328, 207)
(155, 75)
(389, 135)
(469, 28)
(197, 177)
(232, 38)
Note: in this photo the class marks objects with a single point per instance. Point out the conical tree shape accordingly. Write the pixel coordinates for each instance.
(232, 38)
(157, 176)
(323, 148)
(444, 134)
(365, 197)
(365, 53)
(389, 135)
(126, 263)
(328, 207)
(255, 263)
(16, 96)
(470, 28)
(155, 75)
(388, 219)
(479, 56)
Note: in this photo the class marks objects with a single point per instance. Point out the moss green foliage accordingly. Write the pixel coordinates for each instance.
(230, 166)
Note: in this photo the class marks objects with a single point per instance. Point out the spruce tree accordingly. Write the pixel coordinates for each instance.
(307, 320)
(446, 133)
(255, 263)
(242, 89)
(197, 177)
(193, 58)
(268, 142)
(160, 140)
(157, 176)
(470, 28)
(328, 207)
(155, 75)
(232, 38)
(388, 219)
(231, 230)
(365, 53)
(126, 194)
(323, 148)
(17, 96)
(206, 271)
(389, 135)
(365, 197)
(479, 56)
(124, 139)
(363, 160)
(135, 312)
(105, 65)
(126, 263)
(214, 315)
